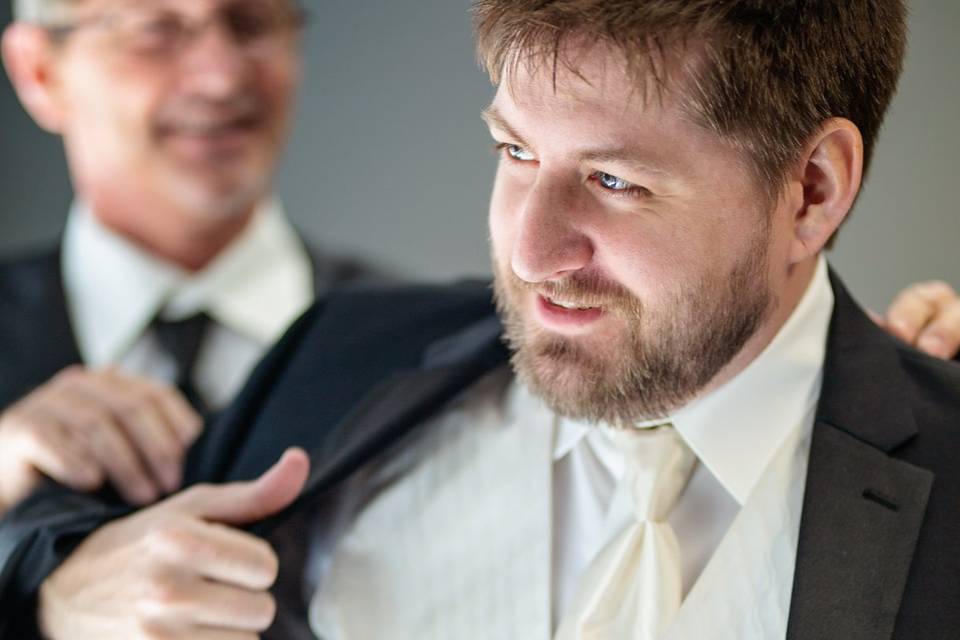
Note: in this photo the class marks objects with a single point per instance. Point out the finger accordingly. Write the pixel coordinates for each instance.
(51, 450)
(217, 553)
(181, 417)
(918, 304)
(209, 604)
(908, 315)
(941, 338)
(112, 450)
(246, 502)
(138, 412)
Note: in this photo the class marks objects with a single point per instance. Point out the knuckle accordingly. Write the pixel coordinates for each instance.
(157, 599)
(139, 398)
(171, 542)
(129, 408)
(159, 594)
(90, 419)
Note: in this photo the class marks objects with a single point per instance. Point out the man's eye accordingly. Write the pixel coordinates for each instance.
(618, 186)
(151, 31)
(518, 153)
(248, 24)
(613, 183)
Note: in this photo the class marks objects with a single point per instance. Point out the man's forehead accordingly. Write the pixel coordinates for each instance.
(598, 91)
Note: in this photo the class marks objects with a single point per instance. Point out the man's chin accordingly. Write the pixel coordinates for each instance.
(223, 193)
(568, 375)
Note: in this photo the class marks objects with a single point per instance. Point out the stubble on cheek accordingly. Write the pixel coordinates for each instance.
(659, 358)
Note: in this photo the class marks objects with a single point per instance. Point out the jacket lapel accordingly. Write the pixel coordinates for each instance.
(394, 408)
(862, 508)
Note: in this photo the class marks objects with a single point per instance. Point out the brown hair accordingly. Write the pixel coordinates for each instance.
(767, 73)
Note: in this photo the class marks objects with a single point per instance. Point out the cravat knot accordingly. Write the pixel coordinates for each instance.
(658, 465)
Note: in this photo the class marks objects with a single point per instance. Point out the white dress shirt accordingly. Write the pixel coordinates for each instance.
(252, 292)
(486, 502)
(736, 432)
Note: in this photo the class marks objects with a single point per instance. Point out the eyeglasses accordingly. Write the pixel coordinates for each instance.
(256, 27)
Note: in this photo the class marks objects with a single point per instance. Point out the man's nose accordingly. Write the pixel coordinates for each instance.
(549, 244)
(214, 64)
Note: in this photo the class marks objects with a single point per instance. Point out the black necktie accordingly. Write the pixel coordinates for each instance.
(181, 339)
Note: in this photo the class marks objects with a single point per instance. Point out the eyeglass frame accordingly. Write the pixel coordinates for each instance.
(299, 18)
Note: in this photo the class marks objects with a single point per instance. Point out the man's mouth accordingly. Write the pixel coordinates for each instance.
(210, 127)
(566, 315)
(206, 139)
(569, 305)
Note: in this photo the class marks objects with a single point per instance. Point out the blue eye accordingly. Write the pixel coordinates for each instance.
(613, 183)
(518, 153)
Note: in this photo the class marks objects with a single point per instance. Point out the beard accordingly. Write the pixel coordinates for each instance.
(662, 358)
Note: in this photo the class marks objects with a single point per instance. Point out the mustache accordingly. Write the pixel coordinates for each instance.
(197, 111)
(586, 290)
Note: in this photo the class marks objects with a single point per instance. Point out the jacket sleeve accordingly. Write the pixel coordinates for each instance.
(35, 537)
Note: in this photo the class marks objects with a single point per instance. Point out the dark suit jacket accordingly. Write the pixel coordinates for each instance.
(36, 339)
(879, 548)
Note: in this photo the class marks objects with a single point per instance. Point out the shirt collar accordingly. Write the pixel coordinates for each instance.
(115, 288)
(737, 429)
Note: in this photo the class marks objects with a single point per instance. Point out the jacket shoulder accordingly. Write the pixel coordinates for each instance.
(399, 319)
(934, 387)
(21, 275)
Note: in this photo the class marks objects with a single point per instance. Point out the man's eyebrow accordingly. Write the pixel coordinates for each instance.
(492, 117)
(626, 157)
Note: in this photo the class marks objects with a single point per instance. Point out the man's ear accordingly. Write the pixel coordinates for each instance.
(830, 172)
(29, 56)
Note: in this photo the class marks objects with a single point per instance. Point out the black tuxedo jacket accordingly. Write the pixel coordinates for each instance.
(879, 547)
(36, 339)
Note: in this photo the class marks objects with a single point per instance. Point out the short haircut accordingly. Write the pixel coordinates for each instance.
(765, 74)
(43, 12)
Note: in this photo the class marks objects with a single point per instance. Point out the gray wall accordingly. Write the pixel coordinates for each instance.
(389, 159)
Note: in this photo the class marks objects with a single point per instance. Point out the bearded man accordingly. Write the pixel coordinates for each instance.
(694, 431)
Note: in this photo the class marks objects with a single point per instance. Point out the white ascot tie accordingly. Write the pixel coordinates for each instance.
(634, 587)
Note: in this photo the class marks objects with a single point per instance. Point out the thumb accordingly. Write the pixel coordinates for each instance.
(240, 503)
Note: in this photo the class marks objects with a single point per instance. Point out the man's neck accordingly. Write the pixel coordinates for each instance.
(791, 292)
(189, 242)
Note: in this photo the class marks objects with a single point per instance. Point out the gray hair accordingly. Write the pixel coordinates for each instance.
(44, 12)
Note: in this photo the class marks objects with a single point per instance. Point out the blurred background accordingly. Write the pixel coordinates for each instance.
(390, 161)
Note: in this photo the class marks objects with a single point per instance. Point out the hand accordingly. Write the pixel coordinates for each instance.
(175, 570)
(926, 315)
(84, 427)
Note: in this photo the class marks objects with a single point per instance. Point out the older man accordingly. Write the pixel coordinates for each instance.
(177, 268)
(694, 431)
